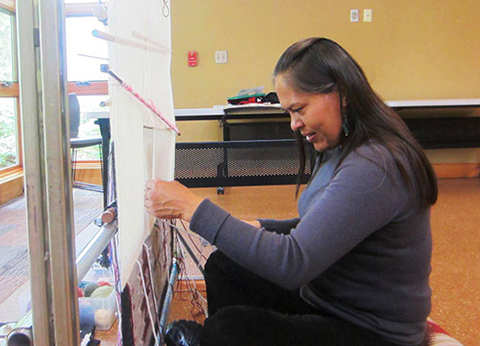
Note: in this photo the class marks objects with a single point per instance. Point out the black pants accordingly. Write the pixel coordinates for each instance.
(246, 309)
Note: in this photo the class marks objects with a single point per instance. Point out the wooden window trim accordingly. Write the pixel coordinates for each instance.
(91, 88)
(11, 186)
(10, 90)
(8, 5)
(10, 171)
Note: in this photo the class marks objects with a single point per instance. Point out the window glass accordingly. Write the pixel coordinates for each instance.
(6, 46)
(85, 53)
(88, 128)
(8, 132)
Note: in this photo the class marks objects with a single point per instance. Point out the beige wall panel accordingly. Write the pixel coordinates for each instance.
(411, 50)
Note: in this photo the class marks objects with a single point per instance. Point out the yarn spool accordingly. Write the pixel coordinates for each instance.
(102, 292)
(89, 289)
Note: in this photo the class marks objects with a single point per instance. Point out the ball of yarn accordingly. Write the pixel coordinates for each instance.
(89, 288)
(82, 284)
(103, 318)
(102, 292)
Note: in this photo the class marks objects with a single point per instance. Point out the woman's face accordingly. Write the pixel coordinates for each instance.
(317, 116)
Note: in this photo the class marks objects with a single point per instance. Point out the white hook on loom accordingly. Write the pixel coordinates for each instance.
(100, 12)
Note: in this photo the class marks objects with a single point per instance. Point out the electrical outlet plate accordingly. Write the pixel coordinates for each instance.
(367, 15)
(221, 57)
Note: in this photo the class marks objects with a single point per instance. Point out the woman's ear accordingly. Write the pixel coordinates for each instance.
(342, 96)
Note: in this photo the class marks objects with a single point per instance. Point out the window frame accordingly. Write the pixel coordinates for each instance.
(8, 5)
(90, 88)
(10, 89)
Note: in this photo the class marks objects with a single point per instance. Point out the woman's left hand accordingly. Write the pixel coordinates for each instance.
(170, 200)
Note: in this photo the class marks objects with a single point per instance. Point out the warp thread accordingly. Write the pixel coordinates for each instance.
(152, 321)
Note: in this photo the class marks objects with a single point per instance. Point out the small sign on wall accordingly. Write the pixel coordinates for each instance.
(192, 58)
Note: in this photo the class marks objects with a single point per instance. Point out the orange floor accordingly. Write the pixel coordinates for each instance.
(455, 277)
(456, 257)
(14, 268)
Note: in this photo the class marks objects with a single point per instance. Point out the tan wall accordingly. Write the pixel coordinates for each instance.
(412, 49)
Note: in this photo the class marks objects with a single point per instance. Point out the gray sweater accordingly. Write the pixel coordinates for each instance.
(360, 249)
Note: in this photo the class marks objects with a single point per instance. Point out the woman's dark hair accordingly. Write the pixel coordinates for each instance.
(320, 66)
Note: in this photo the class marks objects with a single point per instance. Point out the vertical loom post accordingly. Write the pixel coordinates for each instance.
(43, 98)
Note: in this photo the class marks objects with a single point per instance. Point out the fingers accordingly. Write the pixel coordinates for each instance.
(148, 201)
(159, 199)
(150, 184)
(170, 200)
(160, 211)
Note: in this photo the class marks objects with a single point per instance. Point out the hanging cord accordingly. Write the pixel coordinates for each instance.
(198, 301)
(190, 237)
(196, 298)
(183, 230)
(165, 9)
(152, 284)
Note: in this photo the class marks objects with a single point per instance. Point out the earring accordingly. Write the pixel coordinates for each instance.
(345, 128)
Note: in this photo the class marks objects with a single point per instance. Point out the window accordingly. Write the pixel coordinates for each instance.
(7, 25)
(85, 54)
(88, 128)
(84, 76)
(15, 292)
(9, 148)
(9, 129)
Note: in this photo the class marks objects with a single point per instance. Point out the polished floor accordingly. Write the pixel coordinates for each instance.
(14, 268)
(455, 278)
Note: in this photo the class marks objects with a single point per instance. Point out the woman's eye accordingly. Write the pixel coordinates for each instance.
(298, 110)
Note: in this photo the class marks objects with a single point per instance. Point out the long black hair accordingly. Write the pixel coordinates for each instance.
(320, 66)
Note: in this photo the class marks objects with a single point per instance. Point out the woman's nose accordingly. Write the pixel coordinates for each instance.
(295, 122)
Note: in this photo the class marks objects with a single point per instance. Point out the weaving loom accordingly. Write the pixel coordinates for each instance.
(143, 134)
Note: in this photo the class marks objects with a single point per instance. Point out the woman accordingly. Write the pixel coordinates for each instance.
(353, 268)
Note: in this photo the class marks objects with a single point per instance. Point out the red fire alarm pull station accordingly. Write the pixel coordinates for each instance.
(192, 58)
